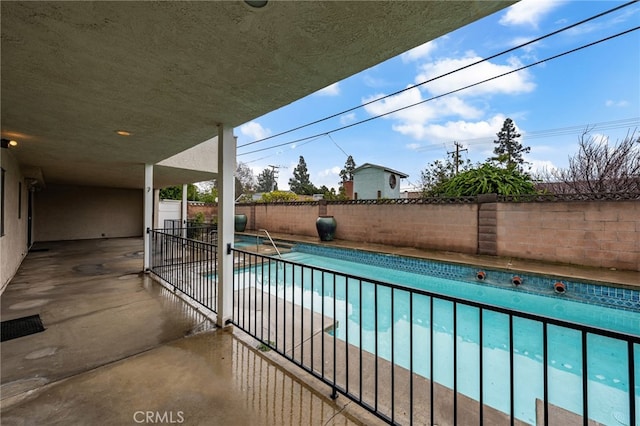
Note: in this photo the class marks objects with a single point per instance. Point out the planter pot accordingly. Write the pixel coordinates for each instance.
(240, 222)
(326, 227)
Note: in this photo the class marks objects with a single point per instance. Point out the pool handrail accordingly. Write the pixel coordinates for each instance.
(270, 239)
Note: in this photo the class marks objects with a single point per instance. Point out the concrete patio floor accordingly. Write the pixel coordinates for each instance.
(120, 349)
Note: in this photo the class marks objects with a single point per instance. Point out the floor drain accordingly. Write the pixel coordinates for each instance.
(12, 329)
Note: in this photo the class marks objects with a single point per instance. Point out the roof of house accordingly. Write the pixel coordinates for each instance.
(375, 166)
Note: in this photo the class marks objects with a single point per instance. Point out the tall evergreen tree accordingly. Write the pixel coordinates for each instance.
(508, 150)
(266, 181)
(300, 183)
(346, 174)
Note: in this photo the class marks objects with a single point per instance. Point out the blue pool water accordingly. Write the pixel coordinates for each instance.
(606, 366)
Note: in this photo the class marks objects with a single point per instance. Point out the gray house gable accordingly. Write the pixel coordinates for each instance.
(371, 181)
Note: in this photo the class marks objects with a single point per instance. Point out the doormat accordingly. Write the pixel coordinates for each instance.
(12, 329)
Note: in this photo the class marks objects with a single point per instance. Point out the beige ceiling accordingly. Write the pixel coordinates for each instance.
(75, 72)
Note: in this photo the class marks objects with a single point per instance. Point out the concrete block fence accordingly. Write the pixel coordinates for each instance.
(594, 233)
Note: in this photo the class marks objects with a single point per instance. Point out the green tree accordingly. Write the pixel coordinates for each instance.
(509, 151)
(278, 197)
(208, 196)
(171, 193)
(300, 183)
(175, 193)
(192, 193)
(488, 179)
(439, 172)
(346, 174)
(266, 181)
(245, 180)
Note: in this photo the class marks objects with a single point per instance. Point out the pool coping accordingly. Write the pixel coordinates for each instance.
(625, 279)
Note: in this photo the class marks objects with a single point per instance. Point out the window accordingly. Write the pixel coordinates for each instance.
(392, 181)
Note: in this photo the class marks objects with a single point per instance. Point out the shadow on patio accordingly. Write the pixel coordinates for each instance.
(118, 348)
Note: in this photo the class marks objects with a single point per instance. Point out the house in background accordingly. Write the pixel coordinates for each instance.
(371, 181)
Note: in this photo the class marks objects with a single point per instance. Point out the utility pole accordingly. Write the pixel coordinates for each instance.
(456, 154)
(274, 174)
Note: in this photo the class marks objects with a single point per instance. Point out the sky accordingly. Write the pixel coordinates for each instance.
(552, 104)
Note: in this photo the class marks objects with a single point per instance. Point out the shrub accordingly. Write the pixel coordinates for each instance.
(488, 179)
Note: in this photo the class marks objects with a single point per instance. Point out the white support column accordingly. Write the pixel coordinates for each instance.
(226, 210)
(183, 213)
(148, 213)
(156, 208)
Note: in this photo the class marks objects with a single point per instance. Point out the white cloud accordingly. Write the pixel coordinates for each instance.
(541, 166)
(332, 90)
(476, 132)
(514, 83)
(374, 82)
(615, 20)
(413, 146)
(333, 171)
(254, 130)
(619, 104)
(528, 12)
(327, 177)
(348, 118)
(599, 138)
(413, 121)
(419, 52)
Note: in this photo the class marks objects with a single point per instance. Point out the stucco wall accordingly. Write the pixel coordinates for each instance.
(83, 212)
(597, 233)
(367, 182)
(13, 244)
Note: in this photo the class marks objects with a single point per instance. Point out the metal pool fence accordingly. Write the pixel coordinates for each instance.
(381, 344)
(187, 264)
(350, 333)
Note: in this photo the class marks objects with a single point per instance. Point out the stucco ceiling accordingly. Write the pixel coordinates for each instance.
(169, 72)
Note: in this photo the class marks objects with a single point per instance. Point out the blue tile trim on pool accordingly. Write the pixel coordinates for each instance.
(595, 294)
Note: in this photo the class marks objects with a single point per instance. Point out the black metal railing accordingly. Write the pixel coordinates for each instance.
(186, 264)
(415, 357)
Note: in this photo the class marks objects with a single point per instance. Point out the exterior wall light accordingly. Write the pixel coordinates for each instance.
(123, 133)
(6, 143)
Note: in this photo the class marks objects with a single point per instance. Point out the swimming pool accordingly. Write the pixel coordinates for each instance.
(380, 328)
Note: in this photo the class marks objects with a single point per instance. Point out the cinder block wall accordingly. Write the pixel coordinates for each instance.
(597, 233)
(451, 227)
(298, 219)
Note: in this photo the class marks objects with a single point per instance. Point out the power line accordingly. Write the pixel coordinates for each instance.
(448, 93)
(446, 74)
(548, 133)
